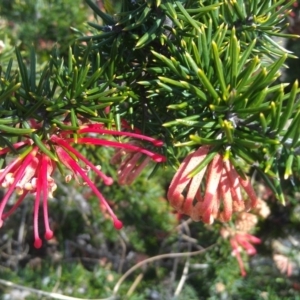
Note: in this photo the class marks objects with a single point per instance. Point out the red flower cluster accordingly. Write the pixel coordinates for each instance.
(32, 171)
(222, 194)
(240, 238)
(240, 242)
(131, 164)
(284, 264)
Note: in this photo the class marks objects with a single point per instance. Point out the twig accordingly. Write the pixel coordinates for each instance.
(175, 263)
(184, 228)
(191, 240)
(135, 284)
(47, 294)
(186, 265)
(183, 224)
(183, 278)
(154, 258)
(177, 228)
(17, 256)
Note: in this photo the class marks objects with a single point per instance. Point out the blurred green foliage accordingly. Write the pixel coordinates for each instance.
(42, 23)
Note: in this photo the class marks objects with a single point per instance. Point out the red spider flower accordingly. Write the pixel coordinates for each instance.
(218, 198)
(284, 264)
(240, 242)
(132, 163)
(240, 237)
(31, 172)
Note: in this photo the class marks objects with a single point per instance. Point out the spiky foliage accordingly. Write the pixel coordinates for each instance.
(205, 73)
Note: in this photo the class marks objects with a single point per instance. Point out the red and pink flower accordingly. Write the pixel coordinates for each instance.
(243, 242)
(215, 192)
(32, 171)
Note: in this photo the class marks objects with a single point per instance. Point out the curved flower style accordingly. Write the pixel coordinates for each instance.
(222, 195)
(32, 171)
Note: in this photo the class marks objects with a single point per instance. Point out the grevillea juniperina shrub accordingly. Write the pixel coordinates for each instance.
(191, 88)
